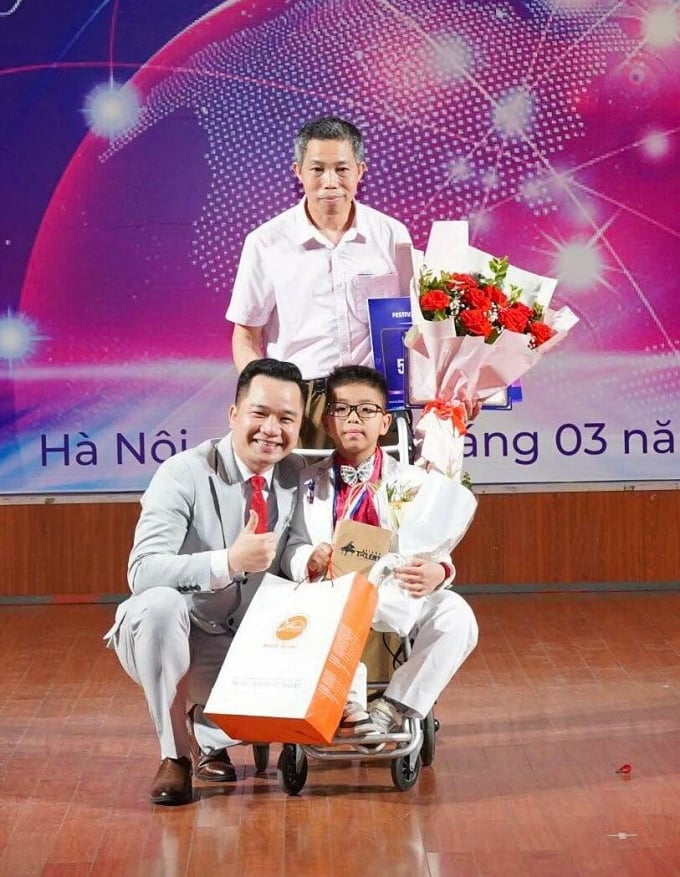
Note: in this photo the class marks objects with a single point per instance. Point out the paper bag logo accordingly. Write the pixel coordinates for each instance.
(291, 627)
(349, 548)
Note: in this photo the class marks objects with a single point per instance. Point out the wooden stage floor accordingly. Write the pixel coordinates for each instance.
(562, 691)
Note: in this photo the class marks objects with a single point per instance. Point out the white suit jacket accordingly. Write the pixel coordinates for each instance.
(193, 506)
(313, 521)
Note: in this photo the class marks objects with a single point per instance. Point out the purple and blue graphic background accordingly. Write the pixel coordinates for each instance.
(143, 141)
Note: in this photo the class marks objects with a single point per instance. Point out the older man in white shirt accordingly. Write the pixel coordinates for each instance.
(305, 276)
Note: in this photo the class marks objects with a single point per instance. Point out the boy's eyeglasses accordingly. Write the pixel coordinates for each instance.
(365, 411)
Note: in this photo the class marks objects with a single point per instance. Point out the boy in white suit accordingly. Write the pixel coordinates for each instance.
(446, 630)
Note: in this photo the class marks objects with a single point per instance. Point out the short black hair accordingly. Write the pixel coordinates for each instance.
(344, 375)
(270, 368)
(329, 128)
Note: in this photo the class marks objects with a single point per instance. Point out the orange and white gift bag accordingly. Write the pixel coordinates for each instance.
(290, 666)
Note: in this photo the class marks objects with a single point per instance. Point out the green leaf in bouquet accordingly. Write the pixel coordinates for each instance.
(499, 270)
(514, 293)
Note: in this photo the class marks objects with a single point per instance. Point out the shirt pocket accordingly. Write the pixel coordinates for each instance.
(365, 286)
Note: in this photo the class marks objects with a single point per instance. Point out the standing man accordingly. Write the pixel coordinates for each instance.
(212, 523)
(304, 276)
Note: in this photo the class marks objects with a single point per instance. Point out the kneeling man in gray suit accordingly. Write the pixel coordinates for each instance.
(214, 519)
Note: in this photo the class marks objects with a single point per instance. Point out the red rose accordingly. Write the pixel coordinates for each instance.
(540, 332)
(497, 296)
(475, 297)
(434, 300)
(462, 281)
(522, 308)
(514, 318)
(475, 322)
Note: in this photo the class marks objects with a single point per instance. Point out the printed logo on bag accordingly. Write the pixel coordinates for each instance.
(349, 548)
(292, 627)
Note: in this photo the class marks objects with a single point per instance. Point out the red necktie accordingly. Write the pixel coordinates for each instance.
(257, 501)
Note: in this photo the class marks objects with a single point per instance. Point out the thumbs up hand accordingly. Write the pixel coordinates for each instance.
(252, 551)
(252, 522)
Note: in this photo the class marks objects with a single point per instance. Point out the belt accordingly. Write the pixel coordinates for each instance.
(317, 385)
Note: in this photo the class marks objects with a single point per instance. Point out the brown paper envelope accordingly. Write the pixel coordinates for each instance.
(356, 547)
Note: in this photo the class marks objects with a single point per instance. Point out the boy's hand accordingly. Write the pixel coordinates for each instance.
(420, 577)
(252, 551)
(319, 560)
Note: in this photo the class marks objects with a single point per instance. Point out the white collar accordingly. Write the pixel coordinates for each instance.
(247, 473)
(307, 231)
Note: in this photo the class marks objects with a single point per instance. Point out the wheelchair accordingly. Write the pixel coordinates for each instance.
(407, 750)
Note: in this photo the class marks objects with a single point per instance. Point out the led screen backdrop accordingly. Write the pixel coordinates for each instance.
(141, 141)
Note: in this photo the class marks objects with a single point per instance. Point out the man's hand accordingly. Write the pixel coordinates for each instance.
(472, 408)
(252, 551)
(319, 560)
(420, 577)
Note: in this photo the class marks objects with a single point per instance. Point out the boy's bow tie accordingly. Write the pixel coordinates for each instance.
(356, 474)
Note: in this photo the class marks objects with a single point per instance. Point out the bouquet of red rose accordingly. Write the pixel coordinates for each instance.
(478, 325)
(478, 305)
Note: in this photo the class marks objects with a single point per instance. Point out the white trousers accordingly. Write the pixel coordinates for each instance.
(175, 663)
(444, 635)
(358, 690)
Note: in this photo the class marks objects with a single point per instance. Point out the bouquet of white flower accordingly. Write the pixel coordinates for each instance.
(431, 518)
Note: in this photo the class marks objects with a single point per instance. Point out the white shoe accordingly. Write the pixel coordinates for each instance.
(355, 722)
(384, 716)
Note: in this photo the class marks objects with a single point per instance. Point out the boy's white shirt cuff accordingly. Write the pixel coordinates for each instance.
(299, 567)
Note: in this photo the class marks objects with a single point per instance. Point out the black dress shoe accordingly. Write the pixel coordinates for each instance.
(172, 783)
(215, 768)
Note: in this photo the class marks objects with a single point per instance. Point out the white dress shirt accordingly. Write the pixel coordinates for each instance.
(310, 295)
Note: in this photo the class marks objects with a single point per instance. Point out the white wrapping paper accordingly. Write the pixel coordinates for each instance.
(432, 524)
(457, 369)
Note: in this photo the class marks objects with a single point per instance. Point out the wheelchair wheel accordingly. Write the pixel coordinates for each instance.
(291, 769)
(430, 725)
(261, 756)
(404, 776)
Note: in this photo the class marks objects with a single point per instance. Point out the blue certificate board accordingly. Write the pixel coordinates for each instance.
(515, 391)
(500, 401)
(504, 399)
(389, 319)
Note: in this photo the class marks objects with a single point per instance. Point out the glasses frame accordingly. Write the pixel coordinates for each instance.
(354, 408)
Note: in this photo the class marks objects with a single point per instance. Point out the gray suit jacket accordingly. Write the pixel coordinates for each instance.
(194, 505)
